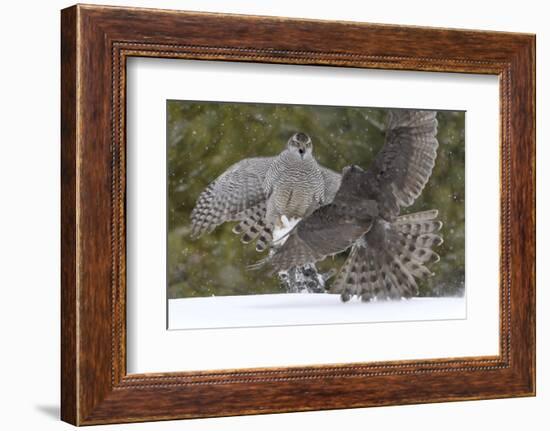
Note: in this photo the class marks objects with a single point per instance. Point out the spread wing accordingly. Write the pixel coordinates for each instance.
(404, 164)
(228, 197)
(329, 230)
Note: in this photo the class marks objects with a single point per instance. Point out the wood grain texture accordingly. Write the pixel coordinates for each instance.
(96, 41)
(69, 397)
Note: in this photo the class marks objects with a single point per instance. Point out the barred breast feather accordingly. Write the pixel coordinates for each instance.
(295, 187)
(257, 192)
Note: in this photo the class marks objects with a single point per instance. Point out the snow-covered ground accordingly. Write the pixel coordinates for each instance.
(303, 309)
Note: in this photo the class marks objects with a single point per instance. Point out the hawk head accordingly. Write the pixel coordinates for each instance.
(301, 144)
(355, 182)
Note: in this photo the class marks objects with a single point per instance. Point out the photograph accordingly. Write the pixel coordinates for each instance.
(281, 214)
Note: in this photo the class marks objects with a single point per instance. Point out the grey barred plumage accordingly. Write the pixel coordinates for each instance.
(384, 262)
(388, 251)
(231, 196)
(295, 186)
(254, 227)
(257, 192)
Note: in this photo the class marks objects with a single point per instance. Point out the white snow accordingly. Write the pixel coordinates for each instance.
(304, 309)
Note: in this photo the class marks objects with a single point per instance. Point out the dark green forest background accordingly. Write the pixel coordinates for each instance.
(205, 138)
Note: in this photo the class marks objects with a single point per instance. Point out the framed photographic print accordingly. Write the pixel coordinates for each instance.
(343, 210)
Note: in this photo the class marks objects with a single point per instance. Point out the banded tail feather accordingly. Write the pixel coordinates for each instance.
(388, 259)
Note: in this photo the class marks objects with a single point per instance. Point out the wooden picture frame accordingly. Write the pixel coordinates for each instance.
(95, 43)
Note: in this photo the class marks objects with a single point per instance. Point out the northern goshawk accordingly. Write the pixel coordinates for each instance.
(388, 250)
(260, 192)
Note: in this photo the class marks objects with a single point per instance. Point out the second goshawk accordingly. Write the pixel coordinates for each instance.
(261, 192)
(388, 250)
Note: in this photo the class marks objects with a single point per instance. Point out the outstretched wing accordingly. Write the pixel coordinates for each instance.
(228, 197)
(329, 230)
(404, 164)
